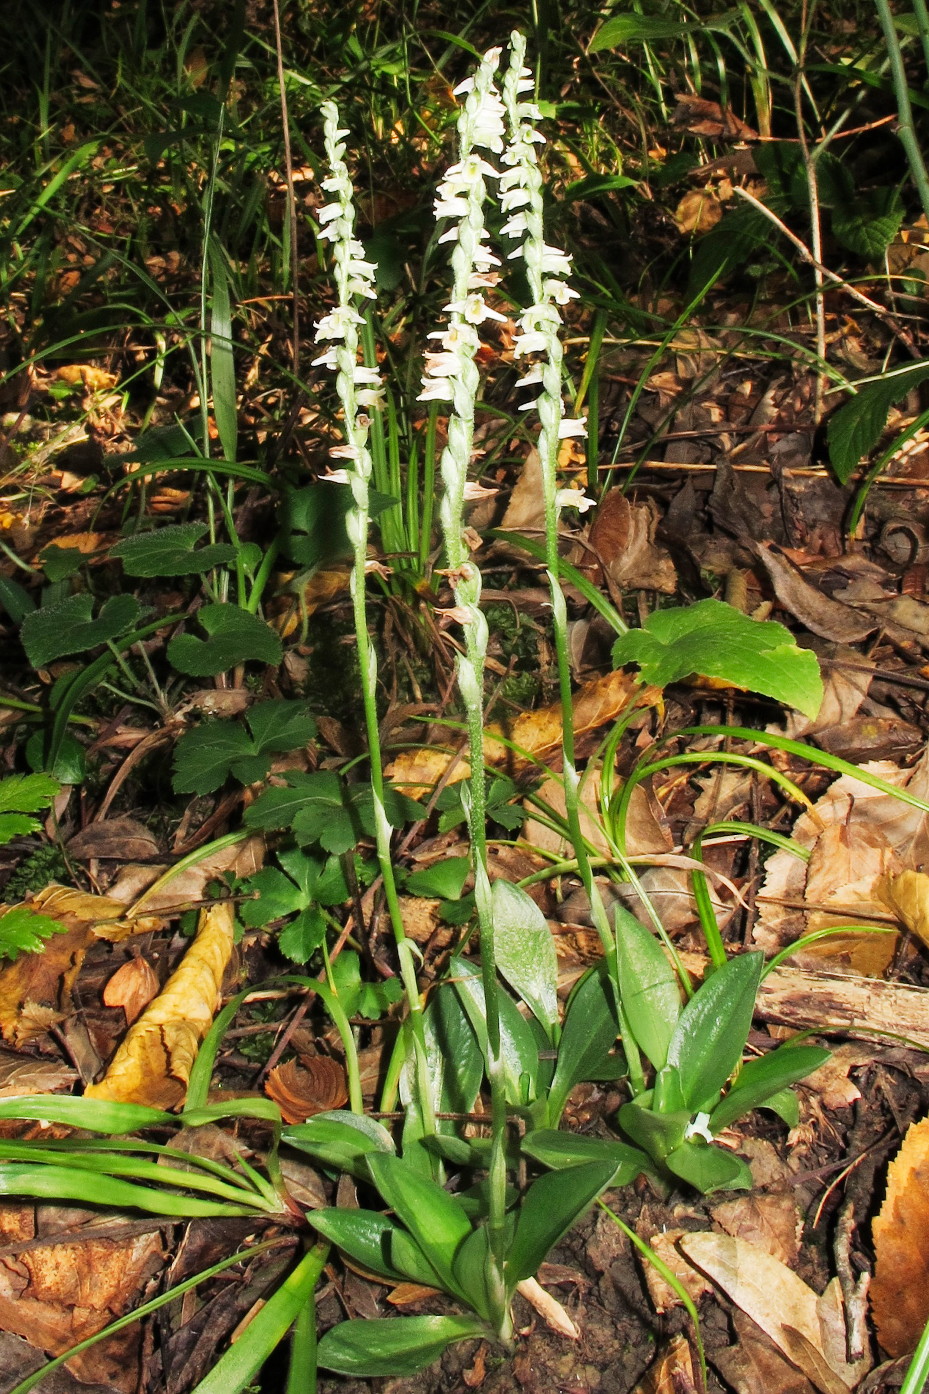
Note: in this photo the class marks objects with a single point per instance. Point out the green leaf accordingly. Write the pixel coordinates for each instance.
(869, 221)
(548, 1210)
(472, 1270)
(24, 931)
(709, 1168)
(711, 1032)
(392, 1345)
(855, 429)
(171, 551)
(634, 28)
(525, 952)
(20, 796)
(267, 1328)
(340, 1139)
(69, 765)
(444, 879)
(590, 1030)
(715, 640)
(360, 998)
(315, 806)
(205, 756)
(68, 627)
(94, 1115)
(518, 1047)
(59, 563)
(234, 636)
(15, 600)
(362, 1234)
(760, 1079)
(648, 988)
(431, 1215)
(90, 1188)
(299, 940)
(658, 1134)
(454, 1063)
(561, 1149)
(313, 522)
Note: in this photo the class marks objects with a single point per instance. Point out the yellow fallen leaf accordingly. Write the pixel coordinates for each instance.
(152, 1065)
(898, 1293)
(97, 379)
(907, 895)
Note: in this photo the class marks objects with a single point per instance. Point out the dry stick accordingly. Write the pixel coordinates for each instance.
(890, 320)
(816, 237)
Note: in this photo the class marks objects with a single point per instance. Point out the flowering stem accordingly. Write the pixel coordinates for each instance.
(522, 196)
(354, 276)
(453, 373)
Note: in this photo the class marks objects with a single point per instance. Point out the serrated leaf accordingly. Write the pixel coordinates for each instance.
(300, 939)
(171, 551)
(234, 636)
(68, 626)
(715, 640)
(24, 931)
(206, 756)
(855, 429)
(20, 796)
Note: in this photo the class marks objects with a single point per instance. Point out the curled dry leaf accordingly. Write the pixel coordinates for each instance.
(673, 1372)
(132, 987)
(698, 211)
(900, 1286)
(315, 1085)
(623, 536)
(152, 1065)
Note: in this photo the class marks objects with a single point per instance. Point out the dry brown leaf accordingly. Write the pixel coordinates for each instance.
(831, 1084)
(799, 1323)
(287, 611)
(698, 211)
(549, 1308)
(664, 1297)
(525, 511)
(119, 839)
(822, 615)
(132, 987)
(315, 1085)
(22, 1074)
(537, 733)
(900, 1287)
(773, 1222)
(622, 535)
(673, 1371)
(152, 1065)
(754, 1364)
(59, 1294)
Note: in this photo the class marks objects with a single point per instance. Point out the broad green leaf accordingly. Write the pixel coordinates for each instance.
(454, 1063)
(392, 1345)
(634, 28)
(472, 1270)
(362, 1234)
(648, 987)
(267, 1328)
(711, 1032)
(431, 1215)
(171, 551)
(21, 795)
(658, 1134)
(855, 429)
(525, 952)
(761, 1079)
(315, 806)
(548, 1210)
(785, 1104)
(869, 221)
(68, 765)
(68, 626)
(443, 879)
(590, 1030)
(59, 563)
(518, 1048)
(24, 931)
(562, 1149)
(234, 636)
(15, 600)
(709, 1168)
(340, 1139)
(313, 528)
(715, 640)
